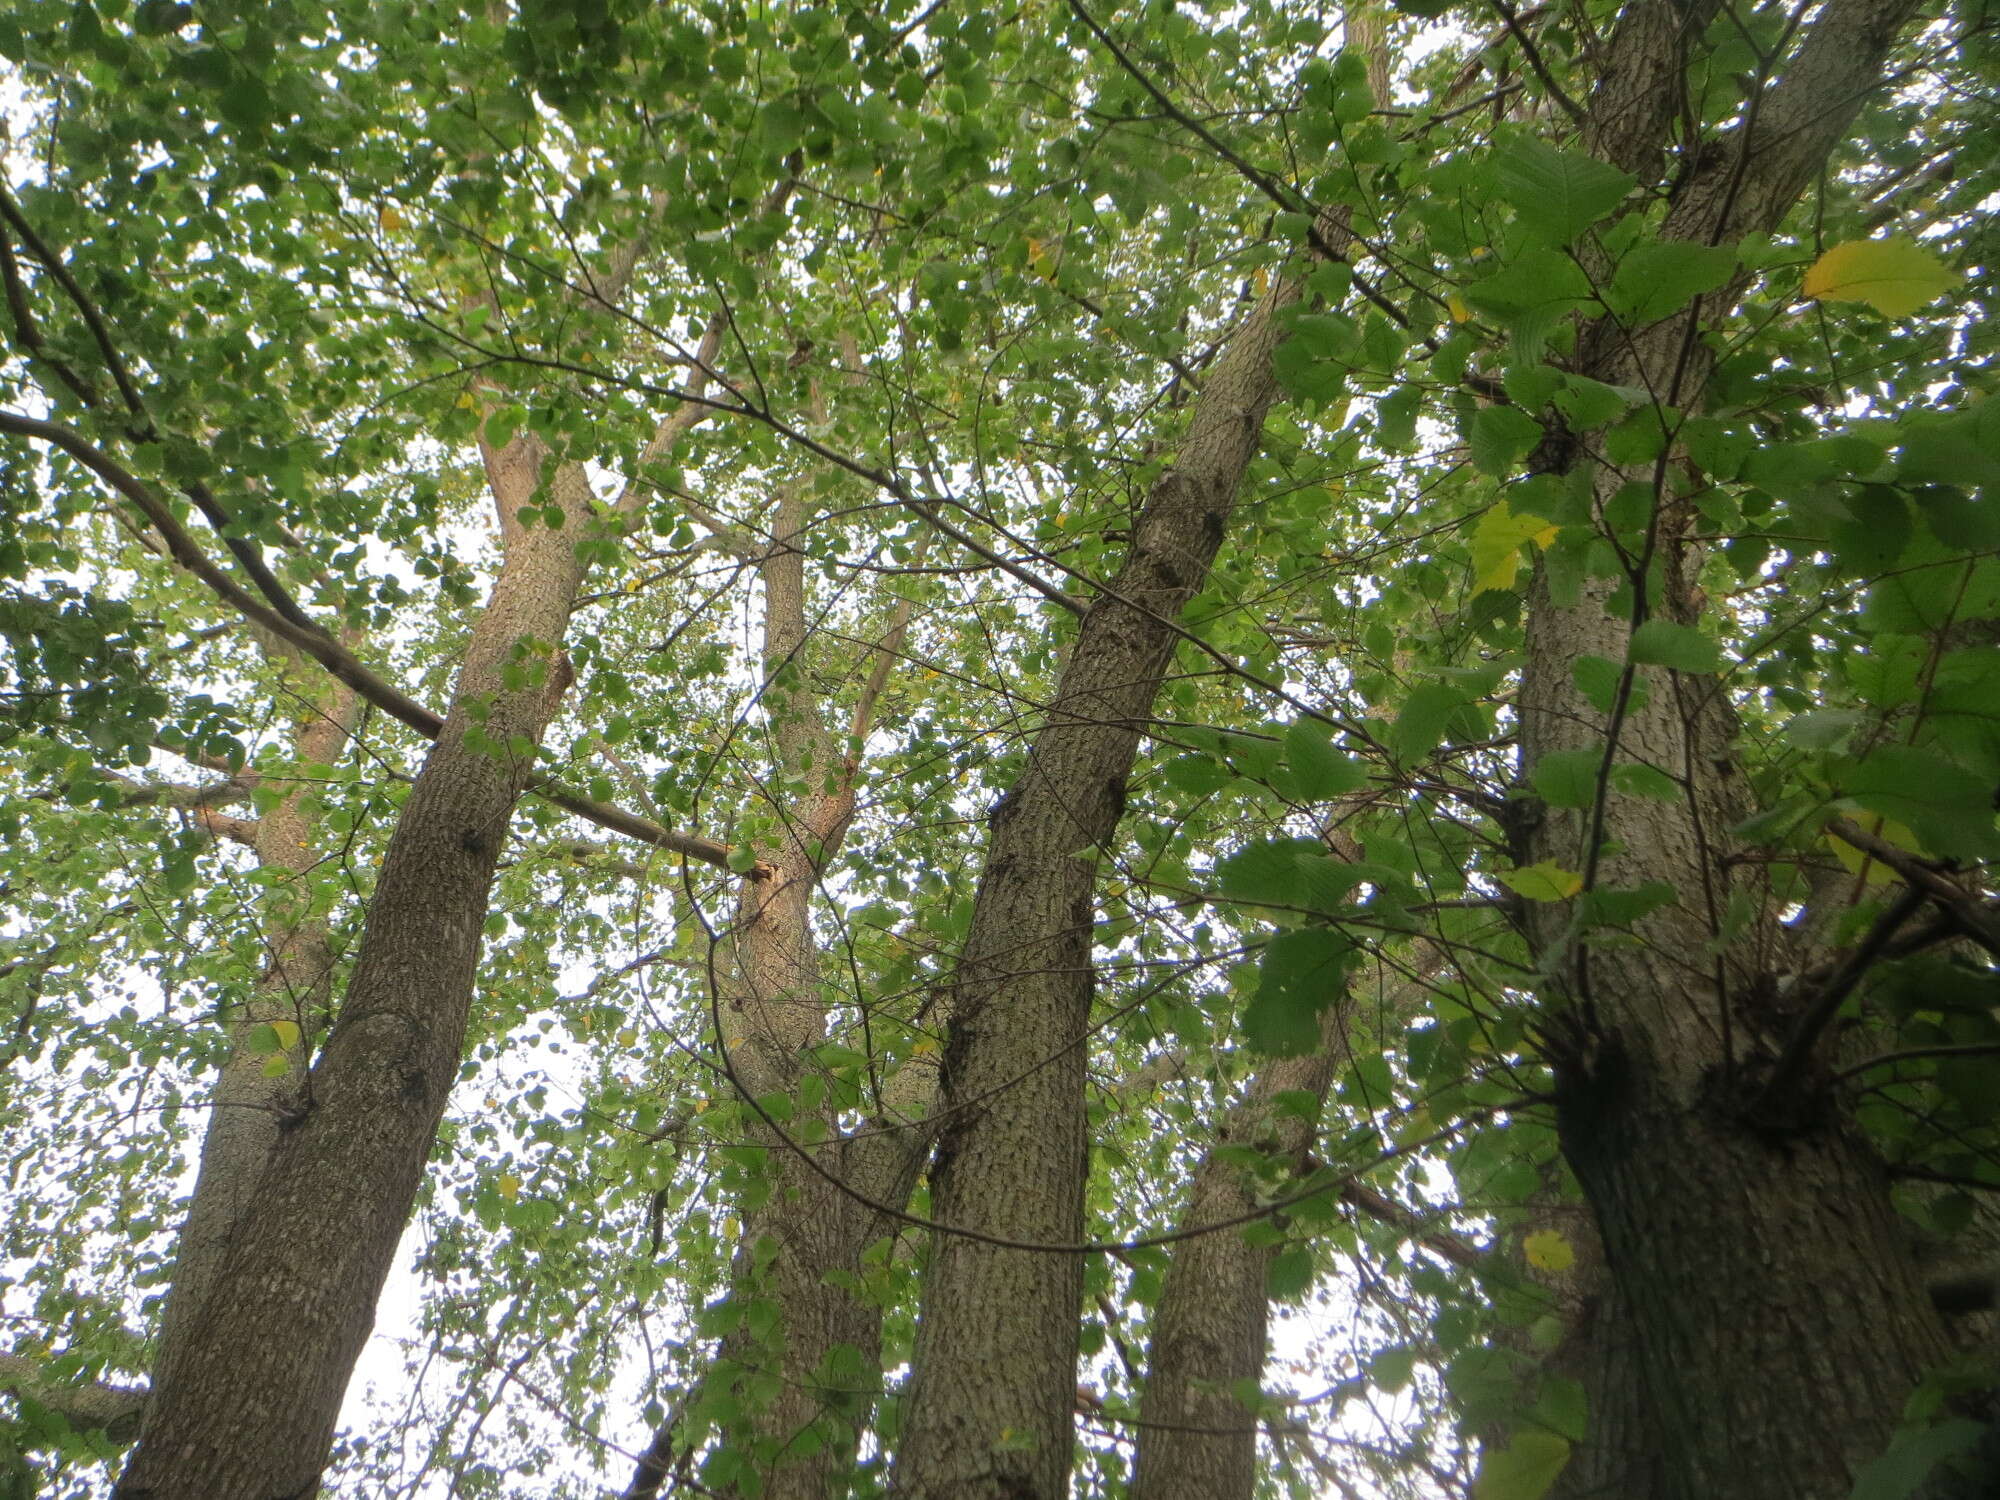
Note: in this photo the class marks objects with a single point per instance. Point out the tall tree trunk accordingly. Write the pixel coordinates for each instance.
(797, 1432)
(990, 1403)
(1761, 1279)
(245, 1404)
(1196, 1440)
(251, 1106)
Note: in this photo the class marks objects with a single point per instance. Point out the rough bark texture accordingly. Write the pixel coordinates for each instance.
(1775, 1321)
(989, 1408)
(808, 1235)
(1196, 1440)
(251, 1107)
(245, 1405)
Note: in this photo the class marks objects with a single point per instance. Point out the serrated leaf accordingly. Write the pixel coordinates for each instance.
(1823, 728)
(1287, 872)
(1499, 437)
(1544, 881)
(1568, 778)
(1496, 545)
(1421, 725)
(1587, 404)
(1610, 906)
(1657, 279)
(1290, 1274)
(1319, 770)
(1947, 807)
(1913, 1456)
(1303, 973)
(1558, 194)
(1636, 779)
(1597, 678)
(1893, 275)
(1662, 643)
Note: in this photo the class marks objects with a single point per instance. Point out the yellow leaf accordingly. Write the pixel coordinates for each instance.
(1856, 862)
(390, 218)
(923, 1048)
(1496, 540)
(509, 1186)
(287, 1033)
(1260, 280)
(1038, 259)
(1894, 275)
(1546, 881)
(277, 1065)
(1460, 313)
(1547, 1250)
(628, 1037)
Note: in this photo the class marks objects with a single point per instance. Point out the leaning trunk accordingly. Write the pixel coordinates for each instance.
(245, 1403)
(989, 1408)
(803, 1388)
(253, 1099)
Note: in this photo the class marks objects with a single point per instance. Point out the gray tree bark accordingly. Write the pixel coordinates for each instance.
(990, 1403)
(244, 1406)
(1774, 1319)
(808, 1235)
(1196, 1440)
(250, 1106)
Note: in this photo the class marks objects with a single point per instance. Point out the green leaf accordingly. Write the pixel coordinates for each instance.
(1893, 275)
(1658, 278)
(1524, 1469)
(1587, 404)
(1914, 1456)
(1946, 806)
(742, 859)
(1568, 778)
(1597, 678)
(1530, 295)
(1291, 1273)
(1319, 770)
(1500, 437)
(1610, 906)
(1303, 973)
(1662, 643)
(1290, 873)
(1420, 727)
(1636, 779)
(1557, 194)
(1823, 728)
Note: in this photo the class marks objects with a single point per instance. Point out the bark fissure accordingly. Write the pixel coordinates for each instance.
(989, 1408)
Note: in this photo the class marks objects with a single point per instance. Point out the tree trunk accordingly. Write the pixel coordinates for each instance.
(803, 1403)
(245, 1404)
(1776, 1321)
(1197, 1440)
(251, 1106)
(990, 1403)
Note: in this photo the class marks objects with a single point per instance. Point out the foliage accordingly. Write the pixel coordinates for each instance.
(973, 271)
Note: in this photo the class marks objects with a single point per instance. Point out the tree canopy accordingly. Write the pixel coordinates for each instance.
(875, 734)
